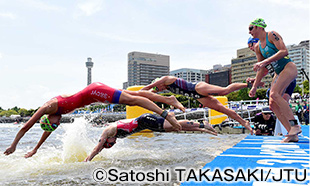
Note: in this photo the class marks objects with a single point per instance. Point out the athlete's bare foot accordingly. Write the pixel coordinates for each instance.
(174, 102)
(295, 130)
(291, 138)
(210, 132)
(208, 126)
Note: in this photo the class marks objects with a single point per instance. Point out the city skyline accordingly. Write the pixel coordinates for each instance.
(44, 56)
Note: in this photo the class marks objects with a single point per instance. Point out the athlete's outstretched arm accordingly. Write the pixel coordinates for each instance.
(47, 108)
(160, 84)
(24, 129)
(45, 135)
(107, 132)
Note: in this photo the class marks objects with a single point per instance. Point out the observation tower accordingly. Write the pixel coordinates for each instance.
(89, 65)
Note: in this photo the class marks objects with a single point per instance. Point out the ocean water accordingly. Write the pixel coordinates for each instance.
(59, 161)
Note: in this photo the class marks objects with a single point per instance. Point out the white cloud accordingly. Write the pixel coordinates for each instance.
(8, 15)
(298, 4)
(1, 55)
(42, 5)
(90, 7)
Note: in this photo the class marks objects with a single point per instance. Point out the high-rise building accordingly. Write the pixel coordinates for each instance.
(189, 74)
(89, 65)
(242, 67)
(219, 75)
(300, 56)
(220, 78)
(125, 85)
(143, 68)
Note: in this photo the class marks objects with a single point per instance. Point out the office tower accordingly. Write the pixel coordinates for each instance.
(143, 68)
(242, 67)
(219, 75)
(300, 56)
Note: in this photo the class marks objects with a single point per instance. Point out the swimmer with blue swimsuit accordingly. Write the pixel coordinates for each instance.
(272, 50)
(201, 91)
(50, 113)
(124, 128)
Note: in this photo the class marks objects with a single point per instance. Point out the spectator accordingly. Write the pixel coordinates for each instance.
(306, 112)
(298, 111)
(264, 123)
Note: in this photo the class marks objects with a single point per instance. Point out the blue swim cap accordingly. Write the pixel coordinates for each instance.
(252, 40)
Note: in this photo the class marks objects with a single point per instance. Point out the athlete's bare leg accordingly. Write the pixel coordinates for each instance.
(146, 103)
(279, 105)
(189, 126)
(214, 104)
(208, 89)
(170, 100)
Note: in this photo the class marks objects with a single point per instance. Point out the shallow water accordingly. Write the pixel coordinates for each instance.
(59, 160)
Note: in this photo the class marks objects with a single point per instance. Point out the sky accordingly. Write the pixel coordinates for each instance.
(44, 44)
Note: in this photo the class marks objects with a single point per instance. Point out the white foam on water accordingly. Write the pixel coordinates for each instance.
(59, 155)
(59, 160)
(76, 143)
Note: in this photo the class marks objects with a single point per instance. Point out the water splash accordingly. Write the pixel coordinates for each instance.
(76, 143)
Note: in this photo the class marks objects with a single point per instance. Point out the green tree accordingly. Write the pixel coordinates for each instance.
(297, 89)
(233, 96)
(15, 109)
(8, 113)
(243, 94)
(23, 112)
(305, 84)
(261, 93)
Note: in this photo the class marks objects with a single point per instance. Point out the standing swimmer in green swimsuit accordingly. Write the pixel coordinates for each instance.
(272, 50)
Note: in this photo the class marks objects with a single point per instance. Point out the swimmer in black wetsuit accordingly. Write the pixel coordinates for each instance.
(124, 128)
(201, 91)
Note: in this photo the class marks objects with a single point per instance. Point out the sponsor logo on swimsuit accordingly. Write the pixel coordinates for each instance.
(150, 118)
(99, 94)
(270, 69)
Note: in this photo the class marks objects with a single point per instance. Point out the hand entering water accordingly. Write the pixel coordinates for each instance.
(31, 153)
(9, 150)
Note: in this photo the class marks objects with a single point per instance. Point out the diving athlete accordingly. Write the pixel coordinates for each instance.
(201, 91)
(50, 113)
(123, 128)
